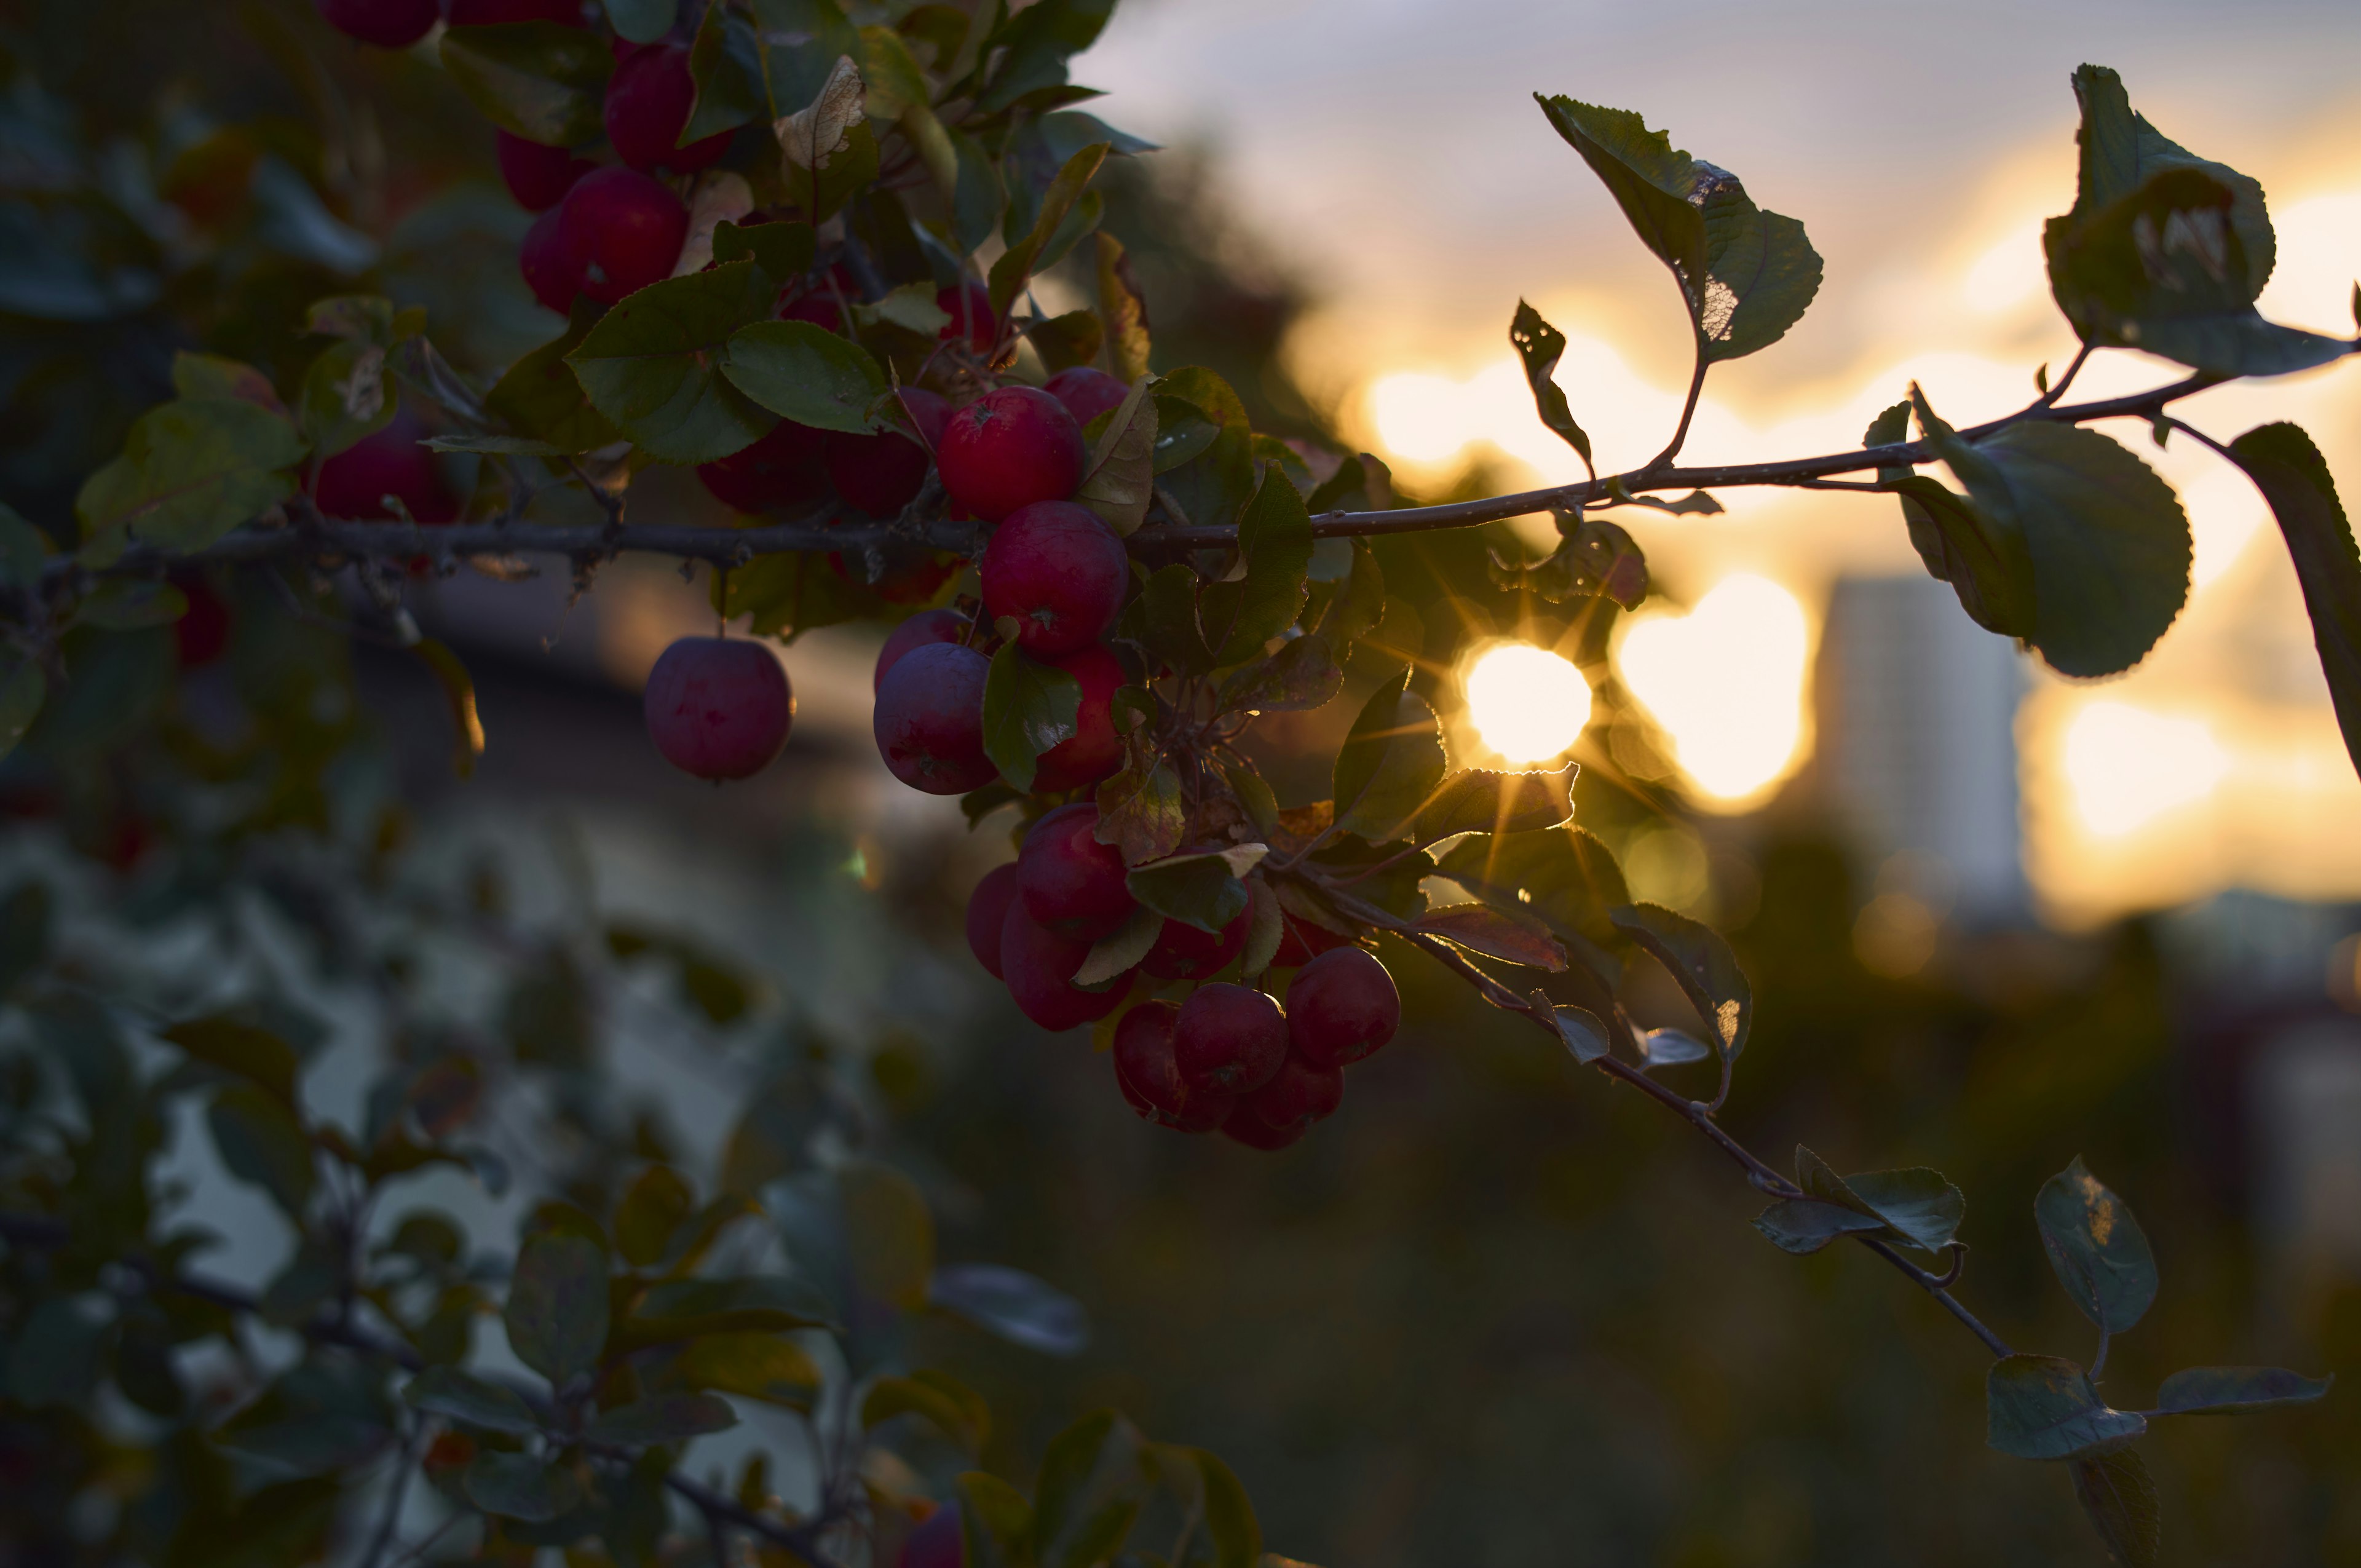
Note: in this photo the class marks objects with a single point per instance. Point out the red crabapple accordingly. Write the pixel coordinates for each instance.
(537, 176)
(970, 308)
(1297, 1095)
(1229, 1039)
(926, 626)
(389, 24)
(1071, 883)
(1038, 965)
(1061, 571)
(390, 462)
(1086, 390)
(1093, 750)
(987, 911)
(648, 103)
(1150, 1078)
(202, 635)
(1183, 952)
(1301, 941)
(1243, 1126)
(1008, 449)
(550, 268)
(781, 469)
(879, 473)
(719, 708)
(624, 229)
(1341, 1007)
(930, 720)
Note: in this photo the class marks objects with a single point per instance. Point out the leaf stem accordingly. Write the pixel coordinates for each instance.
(1689, 411)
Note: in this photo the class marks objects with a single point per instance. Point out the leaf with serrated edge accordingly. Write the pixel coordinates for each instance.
(1495, 933)
(1479, 800)
(2098, 1252)
(1120, 478)
(2231, 1390)
(656, 365)
(1121, 950)
(1301, 674)
(2041, 1406)
(806, 373)
(818, 132)
(1205, 891)
(1696, 956)
(2120, 1500)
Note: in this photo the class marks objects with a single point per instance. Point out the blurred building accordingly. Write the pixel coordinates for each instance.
(1917, 717)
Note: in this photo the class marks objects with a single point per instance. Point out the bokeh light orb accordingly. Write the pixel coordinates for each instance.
(1527, 702)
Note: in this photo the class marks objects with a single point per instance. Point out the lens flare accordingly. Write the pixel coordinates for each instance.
(1726, 681)
(1527, 702)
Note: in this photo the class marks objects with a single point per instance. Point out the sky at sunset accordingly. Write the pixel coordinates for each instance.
(1391, 151)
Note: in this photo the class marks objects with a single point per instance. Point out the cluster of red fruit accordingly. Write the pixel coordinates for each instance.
(1228, 1057)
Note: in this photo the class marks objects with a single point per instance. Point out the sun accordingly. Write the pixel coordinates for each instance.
(1527, 702)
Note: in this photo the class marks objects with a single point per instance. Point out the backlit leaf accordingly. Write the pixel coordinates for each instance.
(1694, 954)
(1121, 311)
(1275, 537)
(1479, 800)
(2041, 1406)
(2097, 1248)
(2288, 468)
(1540, 346)
(1300, 675)
(654, 365)
(1495, 933)
(1390, 765)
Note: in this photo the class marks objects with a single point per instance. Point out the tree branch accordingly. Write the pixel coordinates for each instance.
(404, 541)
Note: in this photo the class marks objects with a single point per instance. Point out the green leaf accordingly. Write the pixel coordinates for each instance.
(2165, 250)
(1584, 1037)
(725, 62)
(190, 472)
(978, 198)
(1037, 42)
(2097, 1248)
(953, 1409)
(1092, 1487)
(1594, 557)
(2041, 1406)
(1512, 936)
(660, 1419)
(1016, 266)
(1761, 272)
(60, 1349)
(2164, 268)
(782, 249)
(1212, 487)
(1670, 1047)
(317, 1417)
(1987, 567)
(519, 1486)
(763, 1367)
(211, 376)
(1301, 674)
(649, 364)
(465, 1397)
(1694, 954)
(642, 21)
(1205, 891)
(1648, 179)
(347, 394)
(995, 1521)
(22, 692)
(237, 1047)
(1540, 346)
(1480, 800)
(556, 1311)
(2294, 480)
(1141, 809)
(542, 81)
(654, 1207)
(2106, 539)
(1074, 338)
(261, 1142)
(539, 394)
(802, 40)
(1167, 622)
(1120, 480)
(1014, 1305)
(1229, 1514)
(1029, 706)
(686, 1309)
(2234, 1390)
(1390, 765)
(1120, 950)
(804, 372)
(1806, 1225)
(1275, 536)
(2115, 1492)
(892, 1233)
(1916, 1206)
